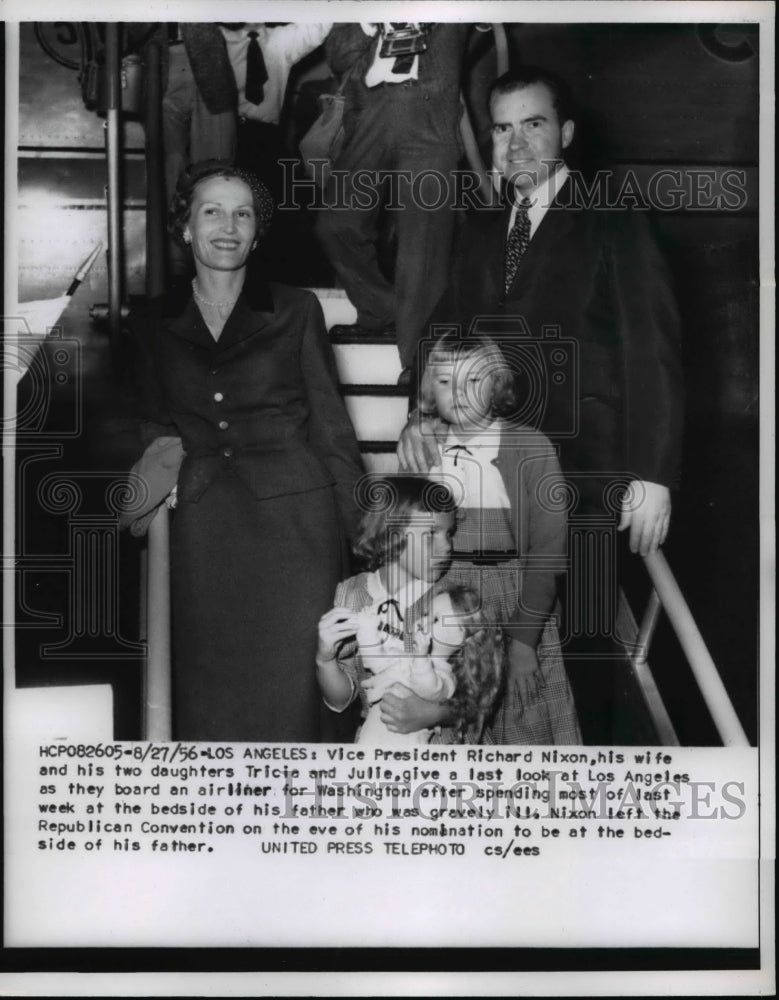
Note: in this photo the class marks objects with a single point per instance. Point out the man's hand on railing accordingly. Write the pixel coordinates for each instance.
(646, 510)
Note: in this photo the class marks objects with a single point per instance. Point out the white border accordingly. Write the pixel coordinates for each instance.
(459, 984)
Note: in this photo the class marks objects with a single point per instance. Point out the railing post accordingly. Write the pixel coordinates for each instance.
(113, 188)
(157, 686)
(155, 172)
(647, 630)
(638, 652)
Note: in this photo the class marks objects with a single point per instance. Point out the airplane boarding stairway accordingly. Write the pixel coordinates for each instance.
(618, 698)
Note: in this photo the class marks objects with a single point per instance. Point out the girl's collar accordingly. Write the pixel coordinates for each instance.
(406, 596)
(489, 435)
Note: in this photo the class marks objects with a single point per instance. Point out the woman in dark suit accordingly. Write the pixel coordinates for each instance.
(243, 372)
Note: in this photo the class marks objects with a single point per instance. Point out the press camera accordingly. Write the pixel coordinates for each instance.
(407, 41)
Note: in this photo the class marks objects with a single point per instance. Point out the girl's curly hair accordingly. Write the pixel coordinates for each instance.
(452, 348)
(478, 665)
(389, 504)
(196, 173)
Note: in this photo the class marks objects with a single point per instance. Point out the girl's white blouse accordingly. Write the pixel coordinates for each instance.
(469, 469)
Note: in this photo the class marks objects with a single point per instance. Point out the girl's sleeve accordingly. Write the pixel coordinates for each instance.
(347, 655)
(435, 682)
(347, 663)
(543, 529)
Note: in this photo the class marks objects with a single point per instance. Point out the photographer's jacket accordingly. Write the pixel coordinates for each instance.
(350, 50)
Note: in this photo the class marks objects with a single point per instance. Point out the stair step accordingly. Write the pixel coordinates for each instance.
(384, 463)
(385, 447)
(361, 360)
(376, 363)
(368, 370)
(335, 305)
(378, 412)
(379, 456)
(366, 338)
(379, 389)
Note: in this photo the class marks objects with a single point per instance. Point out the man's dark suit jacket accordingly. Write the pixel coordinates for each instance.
(595, 278)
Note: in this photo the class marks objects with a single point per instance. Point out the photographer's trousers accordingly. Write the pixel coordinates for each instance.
(399, 158)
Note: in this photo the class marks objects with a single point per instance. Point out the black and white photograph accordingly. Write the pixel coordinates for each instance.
(388, 512)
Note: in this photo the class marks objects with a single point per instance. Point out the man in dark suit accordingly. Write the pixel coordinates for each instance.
(590, 278)
(580, 301)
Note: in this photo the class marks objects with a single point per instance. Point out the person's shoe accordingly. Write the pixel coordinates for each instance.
(358, 330)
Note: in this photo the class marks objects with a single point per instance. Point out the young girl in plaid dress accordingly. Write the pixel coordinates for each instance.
(511, 533)
(396, 631)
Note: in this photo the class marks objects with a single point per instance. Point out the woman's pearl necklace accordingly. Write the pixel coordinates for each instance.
(216, 305)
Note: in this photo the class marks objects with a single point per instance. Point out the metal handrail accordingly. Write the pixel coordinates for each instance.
(155, 613)
(665, 595)
(668, 594)
(113, 139)
(157, 714)
(156, 207)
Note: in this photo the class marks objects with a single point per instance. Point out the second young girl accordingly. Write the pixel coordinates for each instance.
(512, 529)
(396, 632)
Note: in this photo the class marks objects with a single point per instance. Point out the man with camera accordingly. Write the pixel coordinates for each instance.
(401, 117)
(589, 300)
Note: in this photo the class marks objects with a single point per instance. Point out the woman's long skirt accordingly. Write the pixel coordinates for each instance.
(250, 580)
